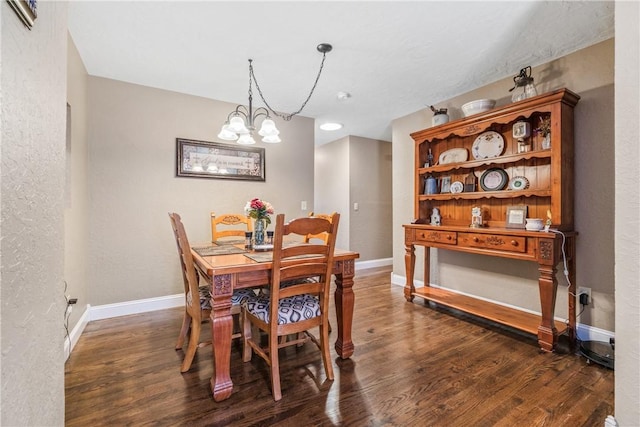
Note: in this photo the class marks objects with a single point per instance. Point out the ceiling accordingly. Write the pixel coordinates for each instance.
(393, 57)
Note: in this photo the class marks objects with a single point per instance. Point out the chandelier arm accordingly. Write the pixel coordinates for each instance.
(286, 117)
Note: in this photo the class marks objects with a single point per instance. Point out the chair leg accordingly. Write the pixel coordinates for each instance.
(186, 323)
(192, 347)
(275, 367)
(245, 323)
(326, 353)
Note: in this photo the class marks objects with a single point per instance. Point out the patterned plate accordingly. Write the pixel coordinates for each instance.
(487, 145)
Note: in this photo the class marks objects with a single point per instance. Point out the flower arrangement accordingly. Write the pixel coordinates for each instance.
(259, 209)
(544, 128)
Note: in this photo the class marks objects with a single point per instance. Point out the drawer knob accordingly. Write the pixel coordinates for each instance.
(475, 239)
(514, 243)
(448, 237)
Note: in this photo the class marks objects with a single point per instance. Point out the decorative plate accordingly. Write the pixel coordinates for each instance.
(457, 187)
(487, 145)
(518, 183)
(455, 155)
(494, 179)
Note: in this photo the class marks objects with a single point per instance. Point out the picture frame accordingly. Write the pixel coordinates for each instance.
(516, 216)
(445, 184)
(27, 11)
(204, 159)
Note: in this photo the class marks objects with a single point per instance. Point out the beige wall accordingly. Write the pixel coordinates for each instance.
(588, 72)
(357, 170)
(627, 214)
(76, 213)
(33, 85)
(370, 232)
(132, 184)
(331, 194)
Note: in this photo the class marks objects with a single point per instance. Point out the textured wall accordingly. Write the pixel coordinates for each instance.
(627, 214)
(588, 72)
(32, 164)
(76, 213)
(132, 184)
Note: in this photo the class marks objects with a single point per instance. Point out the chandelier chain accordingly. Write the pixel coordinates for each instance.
(285, 117)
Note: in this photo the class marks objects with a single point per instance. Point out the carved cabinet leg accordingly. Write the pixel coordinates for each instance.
(409, 264)
(548, 286)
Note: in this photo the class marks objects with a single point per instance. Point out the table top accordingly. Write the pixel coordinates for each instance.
(239, 262)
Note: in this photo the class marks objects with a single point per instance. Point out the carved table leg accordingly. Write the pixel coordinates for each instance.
(548, 285)
(344, 299)
(221, 330)
(409, 265)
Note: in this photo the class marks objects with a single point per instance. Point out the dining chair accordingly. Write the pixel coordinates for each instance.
(298, 307)
(196, 309)
(229, 225)
(322, 236)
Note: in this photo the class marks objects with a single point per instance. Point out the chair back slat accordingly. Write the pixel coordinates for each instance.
(229, 225)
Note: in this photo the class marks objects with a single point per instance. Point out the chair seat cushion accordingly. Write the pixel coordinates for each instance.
(238, 297)
(292, 309)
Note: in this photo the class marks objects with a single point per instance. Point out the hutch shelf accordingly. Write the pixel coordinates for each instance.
(542, 170)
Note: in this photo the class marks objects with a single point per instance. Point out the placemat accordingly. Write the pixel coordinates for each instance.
(228, 242)
(218, 250)
(268, 256)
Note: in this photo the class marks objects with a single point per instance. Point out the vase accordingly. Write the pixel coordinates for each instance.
(258, 231)
(546, 142)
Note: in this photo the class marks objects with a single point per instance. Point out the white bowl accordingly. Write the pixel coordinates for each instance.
(478, 106)
(534, 224)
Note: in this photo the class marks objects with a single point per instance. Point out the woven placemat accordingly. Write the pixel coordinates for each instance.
(268, 256)
(218, 250)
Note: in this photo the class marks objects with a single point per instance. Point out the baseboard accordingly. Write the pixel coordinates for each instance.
(135, 307)
(584, 332)
(382, 262)
(75, 333)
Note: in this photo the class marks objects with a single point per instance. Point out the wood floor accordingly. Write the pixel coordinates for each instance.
(414, 365)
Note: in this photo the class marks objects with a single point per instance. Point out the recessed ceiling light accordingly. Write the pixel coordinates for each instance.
(331, 126)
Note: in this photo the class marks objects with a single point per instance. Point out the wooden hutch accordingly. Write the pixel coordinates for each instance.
(544, 185)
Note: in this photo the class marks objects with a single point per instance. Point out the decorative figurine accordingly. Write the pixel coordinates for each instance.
(435, 216)
(476, 217)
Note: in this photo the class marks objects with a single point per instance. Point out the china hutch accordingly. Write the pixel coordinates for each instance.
(493, 170)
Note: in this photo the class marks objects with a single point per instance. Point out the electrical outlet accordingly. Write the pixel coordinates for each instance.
(586, 291)
(303, 205)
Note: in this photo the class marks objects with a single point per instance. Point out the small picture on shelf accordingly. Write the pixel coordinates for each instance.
(445, 184)
(516, 216)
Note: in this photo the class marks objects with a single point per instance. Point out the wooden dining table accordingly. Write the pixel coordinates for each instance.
(230, 267)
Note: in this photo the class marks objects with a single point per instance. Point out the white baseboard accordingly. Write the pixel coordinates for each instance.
(135, 307)
(382, 262)
(584, 332)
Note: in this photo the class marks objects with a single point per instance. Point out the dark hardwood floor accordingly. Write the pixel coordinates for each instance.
(414, 365)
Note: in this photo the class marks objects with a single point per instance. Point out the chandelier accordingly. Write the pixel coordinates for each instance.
(241, 122)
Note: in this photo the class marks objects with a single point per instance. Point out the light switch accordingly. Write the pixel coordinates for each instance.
(303, 205)
(355, 206)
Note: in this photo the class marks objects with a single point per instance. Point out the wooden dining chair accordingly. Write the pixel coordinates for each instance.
(298, 307)
(197, 307)
(229, 225)
(321, 236)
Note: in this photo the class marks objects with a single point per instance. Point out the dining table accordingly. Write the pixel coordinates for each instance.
(227, 266)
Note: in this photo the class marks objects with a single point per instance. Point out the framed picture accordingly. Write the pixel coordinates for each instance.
(27, 10)
(202, 159)
(516, 216)
(445, 184)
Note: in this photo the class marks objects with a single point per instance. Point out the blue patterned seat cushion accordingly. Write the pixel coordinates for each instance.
(239, 296)
(292, 309)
